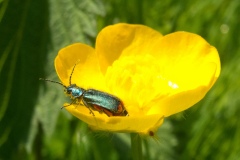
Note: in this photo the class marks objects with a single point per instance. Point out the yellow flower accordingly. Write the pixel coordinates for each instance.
(155, 76)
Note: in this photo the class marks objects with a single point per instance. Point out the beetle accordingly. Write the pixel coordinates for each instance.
(93, 99)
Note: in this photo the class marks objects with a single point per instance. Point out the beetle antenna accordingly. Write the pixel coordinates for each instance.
(70, 78)
(53, 82)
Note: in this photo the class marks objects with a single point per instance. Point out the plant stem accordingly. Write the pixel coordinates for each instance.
(136, 143)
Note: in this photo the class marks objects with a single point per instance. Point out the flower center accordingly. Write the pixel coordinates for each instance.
(138, 80)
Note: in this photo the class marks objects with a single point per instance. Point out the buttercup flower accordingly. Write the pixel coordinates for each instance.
(155, 76)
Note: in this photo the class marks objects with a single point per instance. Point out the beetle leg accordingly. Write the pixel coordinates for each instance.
(85, 104)
(74, 100)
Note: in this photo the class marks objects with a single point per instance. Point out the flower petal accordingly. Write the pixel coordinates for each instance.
(192, 64)
(86, 74)
(119, 39)
(180, 54)
(140, 124)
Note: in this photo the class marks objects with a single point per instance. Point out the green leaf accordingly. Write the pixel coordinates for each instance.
(22, 44)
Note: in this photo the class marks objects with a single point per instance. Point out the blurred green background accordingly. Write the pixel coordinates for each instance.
(32, 125)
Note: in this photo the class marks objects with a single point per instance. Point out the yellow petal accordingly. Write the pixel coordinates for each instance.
(190, 63)
(119, 39)
(180, 54)
(140, 124)
(87, 72)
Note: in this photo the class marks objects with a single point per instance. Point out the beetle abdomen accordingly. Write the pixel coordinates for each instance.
(94, 97)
